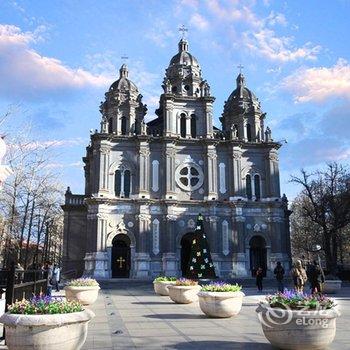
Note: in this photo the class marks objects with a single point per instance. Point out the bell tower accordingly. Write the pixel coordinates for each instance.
(123, 110)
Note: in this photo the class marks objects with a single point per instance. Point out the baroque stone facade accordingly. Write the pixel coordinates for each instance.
(147, 182)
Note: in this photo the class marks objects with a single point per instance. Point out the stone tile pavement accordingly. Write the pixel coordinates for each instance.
(130, 316)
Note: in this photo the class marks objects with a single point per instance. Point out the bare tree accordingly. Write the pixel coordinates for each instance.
(326, 203)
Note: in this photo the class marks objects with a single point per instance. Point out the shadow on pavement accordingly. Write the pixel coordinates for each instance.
(209, 345)
(177, 316)
(153, 303)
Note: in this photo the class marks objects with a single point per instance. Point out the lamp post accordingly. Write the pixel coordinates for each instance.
(316, 248)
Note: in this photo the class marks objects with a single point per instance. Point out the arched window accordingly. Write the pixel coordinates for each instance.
(127, 183)
(123, 126)
(193, 126)
(249, 132)
(110, 125)
(183, 125)
(122, 183)
(248, 186)
(257, 187)
(117, 183)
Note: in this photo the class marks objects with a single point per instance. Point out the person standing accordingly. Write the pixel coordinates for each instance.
(299, 276)
(49, 272)
(316, 277)
(56, 277)
(259, 279)
(279, 273)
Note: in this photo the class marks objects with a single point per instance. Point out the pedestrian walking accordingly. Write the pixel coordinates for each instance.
(299, 276)
(259, 279)
(279, 273)
(56, 272)
(315, 277)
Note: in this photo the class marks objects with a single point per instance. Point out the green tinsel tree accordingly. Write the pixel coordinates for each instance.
(200, 264)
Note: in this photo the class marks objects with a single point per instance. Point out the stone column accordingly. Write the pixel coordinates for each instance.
(142, 261)
(209, 117)
(237, 176)
(212, 173)
(188, 126)
(239, 267)
(213, 234)
(96, 262)
(169, 256)
(170, 153)
(144, 170)
(104, 152)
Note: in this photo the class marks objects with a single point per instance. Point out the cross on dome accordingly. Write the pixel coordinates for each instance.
(184, 30)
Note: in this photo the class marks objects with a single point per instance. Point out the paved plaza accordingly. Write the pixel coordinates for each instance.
(130, 316)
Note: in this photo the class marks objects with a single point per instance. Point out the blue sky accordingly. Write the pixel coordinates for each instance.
(57, 58)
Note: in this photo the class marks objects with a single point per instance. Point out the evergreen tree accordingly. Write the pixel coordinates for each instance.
(200, 264)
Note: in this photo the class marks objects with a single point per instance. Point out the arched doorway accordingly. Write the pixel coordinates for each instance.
(258, 256)
(186, 242)
(121, 256)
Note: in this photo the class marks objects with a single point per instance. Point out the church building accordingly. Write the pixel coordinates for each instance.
(146, 183)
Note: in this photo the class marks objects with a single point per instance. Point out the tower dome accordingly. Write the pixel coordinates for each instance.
(183, 76)
(123, 84)
(241, 99)
(242, 116)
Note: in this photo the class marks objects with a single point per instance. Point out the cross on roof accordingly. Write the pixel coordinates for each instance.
(240, 68)
(183, 29)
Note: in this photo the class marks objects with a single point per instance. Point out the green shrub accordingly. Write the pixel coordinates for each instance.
(165, 279)
(221, 287)
(83, 282)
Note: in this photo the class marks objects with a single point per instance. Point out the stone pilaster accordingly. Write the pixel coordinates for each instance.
(142, 259)
(212, 173)
(237, 173)
(170, 154)
(144, 170)
(239, 267)
(104, 154)
(169, 256)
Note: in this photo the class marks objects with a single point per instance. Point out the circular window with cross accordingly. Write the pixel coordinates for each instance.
(189, 176)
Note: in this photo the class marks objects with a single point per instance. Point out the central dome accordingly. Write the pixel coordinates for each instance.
(123, 84)
(183, 57)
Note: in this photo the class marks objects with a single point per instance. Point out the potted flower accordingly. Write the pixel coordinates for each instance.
(219, 299)
(161, 283)
(184, 291)
(84, 290)
(46, 323)
(296, 321)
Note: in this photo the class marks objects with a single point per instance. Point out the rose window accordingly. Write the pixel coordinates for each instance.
(189, 177)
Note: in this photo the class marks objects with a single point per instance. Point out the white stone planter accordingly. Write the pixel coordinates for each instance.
(184, 294)
(49, 332)
(161, 287)
(331, 286)
(298, 330)
(220, 304)
(85, 295)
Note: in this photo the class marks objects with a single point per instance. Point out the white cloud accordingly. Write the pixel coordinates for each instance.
(199, 22)
(266, 43)
(276, 18)
(258, 36)
(319, 84)
(24, 71)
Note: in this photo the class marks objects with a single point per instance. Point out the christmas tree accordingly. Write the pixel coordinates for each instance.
(200, 264)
